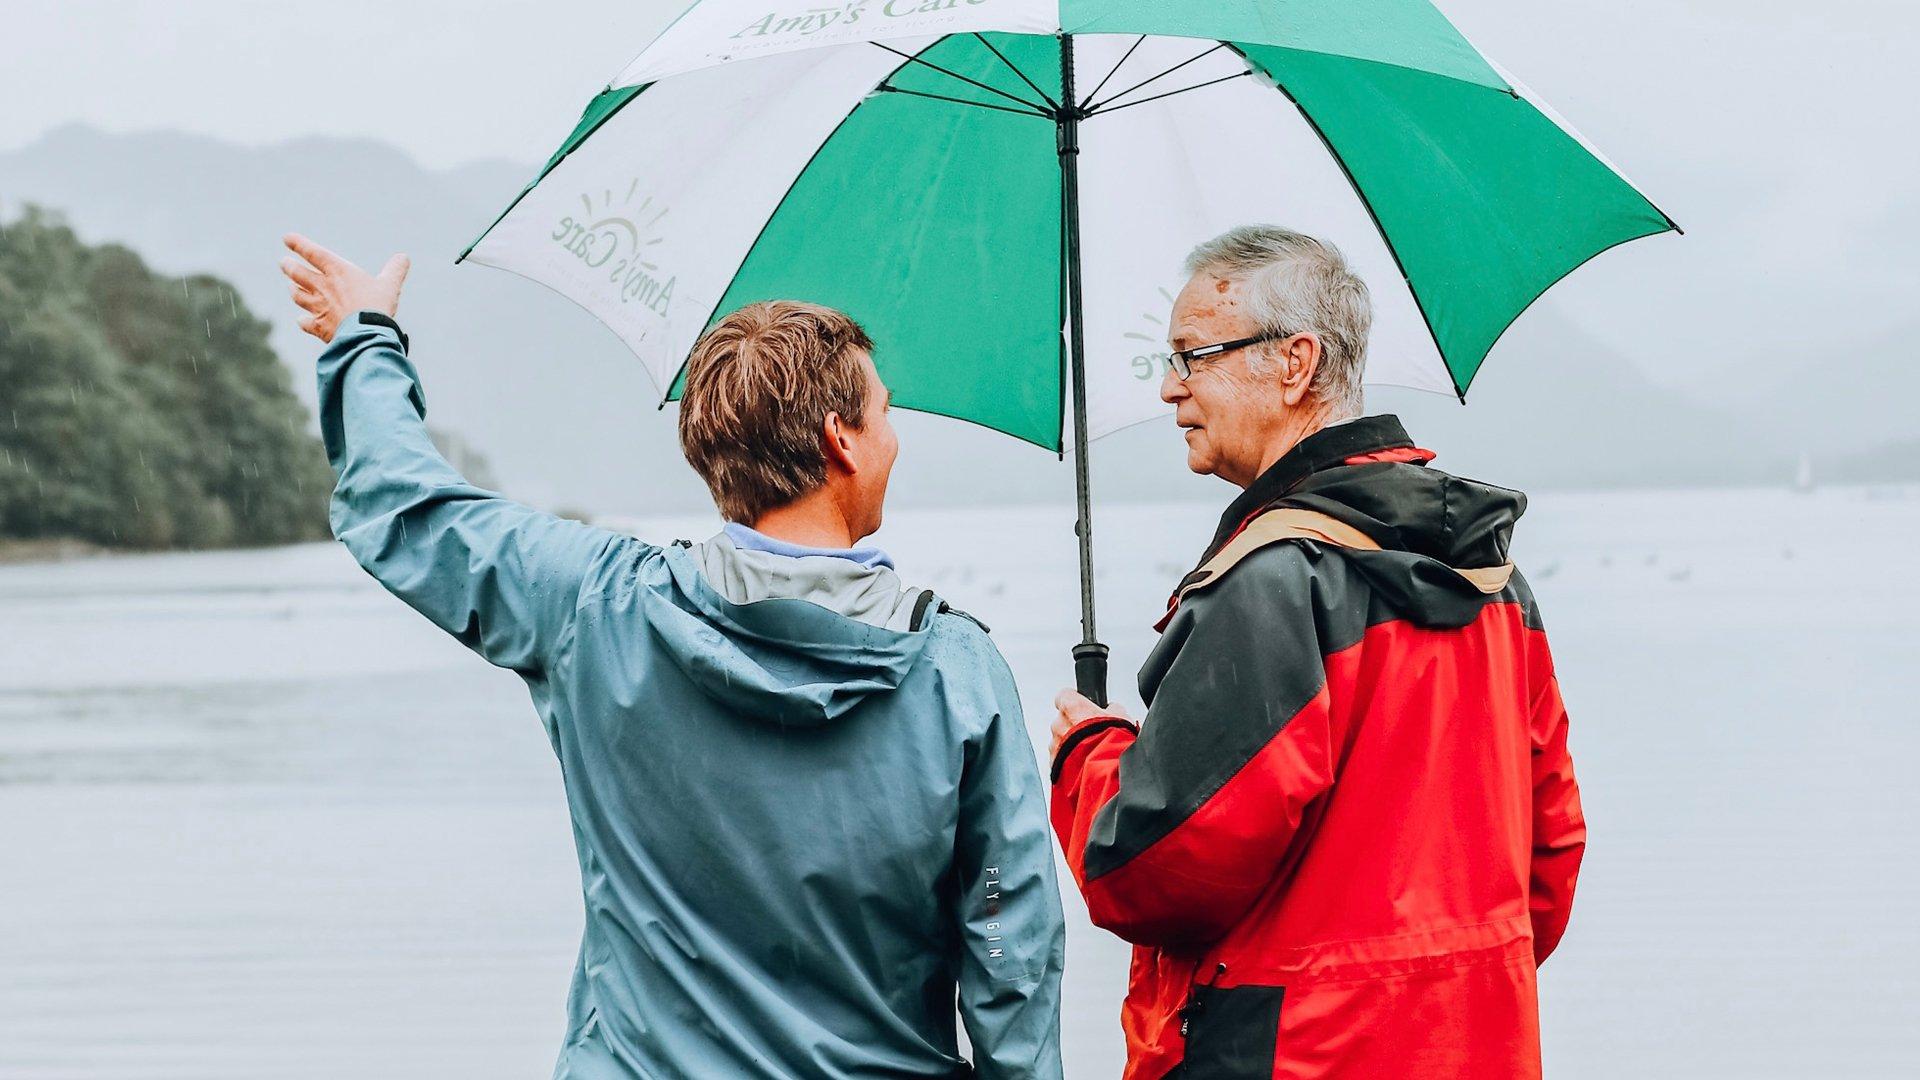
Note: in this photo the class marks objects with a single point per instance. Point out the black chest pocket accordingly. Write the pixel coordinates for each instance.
(1231, 1033)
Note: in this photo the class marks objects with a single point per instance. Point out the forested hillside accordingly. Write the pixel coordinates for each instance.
(142, 411)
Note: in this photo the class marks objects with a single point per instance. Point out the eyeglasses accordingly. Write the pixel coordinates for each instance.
(1182, 360)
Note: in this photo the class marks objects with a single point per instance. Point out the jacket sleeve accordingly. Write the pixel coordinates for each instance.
(501, 577)
(1173, 832)
(1011, 924)
(1559, 826)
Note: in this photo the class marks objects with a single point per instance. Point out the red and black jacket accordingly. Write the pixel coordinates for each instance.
(1348, 829)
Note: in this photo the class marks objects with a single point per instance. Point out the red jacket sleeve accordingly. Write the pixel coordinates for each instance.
(1173, 831)
(1559, 826)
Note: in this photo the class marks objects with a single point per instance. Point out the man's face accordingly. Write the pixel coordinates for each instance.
(875, 447)
(1230, 416)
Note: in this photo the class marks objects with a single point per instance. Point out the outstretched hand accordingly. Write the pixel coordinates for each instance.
(330, 289)
(1075, 707)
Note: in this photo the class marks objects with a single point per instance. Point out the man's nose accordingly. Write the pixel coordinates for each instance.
(1172, 387)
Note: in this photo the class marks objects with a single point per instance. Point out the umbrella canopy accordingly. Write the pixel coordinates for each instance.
(899, 160)
(1011, 239)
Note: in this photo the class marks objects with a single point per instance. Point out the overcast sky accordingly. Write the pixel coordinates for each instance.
(1773, 131)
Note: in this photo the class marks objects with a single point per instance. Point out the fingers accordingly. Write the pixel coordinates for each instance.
(322, 325)
(301, 274)
(394, 273)
(1061, 726)
(327, 286)
(1074, 706)
(393, 276)
(306, 285)
(309, 300)
(320, 257)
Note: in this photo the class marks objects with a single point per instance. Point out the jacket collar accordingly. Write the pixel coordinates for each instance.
(1324, 449)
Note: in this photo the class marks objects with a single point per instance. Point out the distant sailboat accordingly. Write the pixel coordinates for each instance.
(1803, 474)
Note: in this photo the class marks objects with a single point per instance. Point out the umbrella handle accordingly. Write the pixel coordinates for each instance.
(1090, 671)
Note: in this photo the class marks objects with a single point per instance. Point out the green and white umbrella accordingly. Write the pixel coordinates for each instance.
(978, 181)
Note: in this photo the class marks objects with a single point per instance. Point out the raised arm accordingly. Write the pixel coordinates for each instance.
(1011, 924)
(501, 577)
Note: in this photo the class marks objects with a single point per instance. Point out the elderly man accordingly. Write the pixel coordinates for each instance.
(1347, 832)
(808, 817)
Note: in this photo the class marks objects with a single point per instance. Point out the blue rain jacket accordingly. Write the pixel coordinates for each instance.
(802, 838)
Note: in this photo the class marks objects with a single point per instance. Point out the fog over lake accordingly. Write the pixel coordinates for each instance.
(262, 820)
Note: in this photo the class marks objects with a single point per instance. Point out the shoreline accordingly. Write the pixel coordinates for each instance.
(59, 550)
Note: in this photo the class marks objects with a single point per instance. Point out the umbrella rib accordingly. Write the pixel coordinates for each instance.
(1051, 104)
(1171, 93)
(1034, 105)
(1102, 84)
(1160, 76)
(884, 89)
(1378, 226)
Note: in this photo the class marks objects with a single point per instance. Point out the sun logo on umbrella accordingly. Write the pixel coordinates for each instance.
(1149, 360)
(621, 241)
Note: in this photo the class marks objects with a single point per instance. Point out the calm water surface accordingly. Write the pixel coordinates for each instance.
(259, 820)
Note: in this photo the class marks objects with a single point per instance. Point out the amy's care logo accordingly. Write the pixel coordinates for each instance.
(1152, 362)
(617, 243)
(815, 19)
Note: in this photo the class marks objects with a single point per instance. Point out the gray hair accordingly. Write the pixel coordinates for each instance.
(1296, 285)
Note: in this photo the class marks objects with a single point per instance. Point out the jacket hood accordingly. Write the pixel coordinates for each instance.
(786, 661)
(1369, 474)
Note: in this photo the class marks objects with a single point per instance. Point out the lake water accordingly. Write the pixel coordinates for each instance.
(259, 820)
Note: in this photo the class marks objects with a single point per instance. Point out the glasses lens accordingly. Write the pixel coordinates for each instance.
(1178, 361)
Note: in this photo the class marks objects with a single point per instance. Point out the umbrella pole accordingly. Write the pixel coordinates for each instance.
(1090, 656)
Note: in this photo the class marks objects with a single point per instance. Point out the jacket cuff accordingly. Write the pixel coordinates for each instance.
(375, 318)
(1083, 731)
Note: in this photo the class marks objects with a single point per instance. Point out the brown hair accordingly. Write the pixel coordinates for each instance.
(759, 386)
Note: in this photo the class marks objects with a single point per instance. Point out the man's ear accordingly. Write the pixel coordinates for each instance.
(836, 442)
(1299, 361)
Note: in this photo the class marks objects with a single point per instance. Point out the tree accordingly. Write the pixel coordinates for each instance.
(143, 411)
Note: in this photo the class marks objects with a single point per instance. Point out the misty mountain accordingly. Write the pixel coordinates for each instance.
(567, 418)
(1842, 404)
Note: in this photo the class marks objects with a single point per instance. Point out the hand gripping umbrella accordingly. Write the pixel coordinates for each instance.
(1002, 191)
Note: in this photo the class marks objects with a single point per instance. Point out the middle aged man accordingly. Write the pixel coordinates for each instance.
(808, 817)
(1347, 832)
